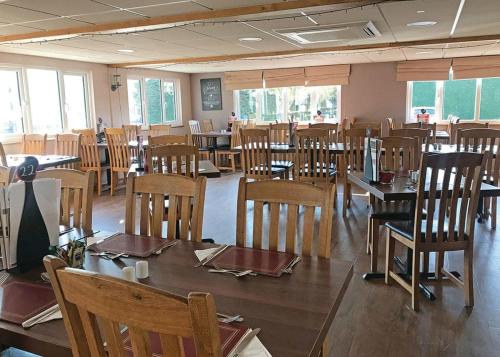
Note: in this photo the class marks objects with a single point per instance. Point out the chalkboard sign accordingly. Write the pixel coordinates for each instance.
(211, 95)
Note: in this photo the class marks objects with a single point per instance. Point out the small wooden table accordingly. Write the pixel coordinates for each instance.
(205, 168)
(295, 311)
(442, 135)
(44, 161)
(214, 136)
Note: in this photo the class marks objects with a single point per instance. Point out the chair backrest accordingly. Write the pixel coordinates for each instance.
(194, 128)
(433, 129)
(89, 149)
(208, 125)
(481, 140)
(333, 130)
(454, 127)
(256, 153)
(400, 153)
(277, 194)
(69, 145)
(374, 125)
(235, 133)
(354, 142)
(168, 140)
(184, 193)
(119, 153)
(251, 123)
(390, 123)
(6, 175)
(76, 195)
(3, 157)
(159, 129)
(459, 176)
(279, 133)
(312, 156)
(416, 125)
(423, 136)
(85, 297)
(180, 159)
(34, 144)
(131, 131)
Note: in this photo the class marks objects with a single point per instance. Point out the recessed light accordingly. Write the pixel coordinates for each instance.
(421, 24)
(420, 11)
(423, 52)
(125, 50)
(250, 39)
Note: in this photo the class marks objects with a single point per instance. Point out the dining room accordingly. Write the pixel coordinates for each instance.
(251, 178)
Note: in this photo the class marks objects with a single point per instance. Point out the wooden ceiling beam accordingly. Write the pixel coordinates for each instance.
(372, 46)
(179, 18)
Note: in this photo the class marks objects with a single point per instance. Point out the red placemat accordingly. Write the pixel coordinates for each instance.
(264, 262)
(137, 246)
(230, 336)
(21, 300)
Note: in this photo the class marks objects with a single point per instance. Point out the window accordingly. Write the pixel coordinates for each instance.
(280, 104)
(42, 101)
(467, 99)
(152, 101)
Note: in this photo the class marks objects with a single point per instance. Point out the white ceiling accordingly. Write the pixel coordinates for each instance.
(479, 17)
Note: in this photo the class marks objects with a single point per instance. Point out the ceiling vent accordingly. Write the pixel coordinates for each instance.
(331, 33)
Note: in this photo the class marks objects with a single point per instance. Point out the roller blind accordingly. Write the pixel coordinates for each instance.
(476, 67)
(327, 75)
(243, 80)
(284, 77)
(424, 70)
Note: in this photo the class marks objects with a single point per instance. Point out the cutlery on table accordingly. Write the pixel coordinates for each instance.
(236, 273)
(108, 255)
(289, 268)
(244, 342)
(228, 318)
(158, 252)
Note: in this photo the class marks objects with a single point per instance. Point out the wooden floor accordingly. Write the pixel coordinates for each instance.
(374, 319)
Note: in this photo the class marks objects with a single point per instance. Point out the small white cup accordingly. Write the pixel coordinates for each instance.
(129, 273)
(141, 269)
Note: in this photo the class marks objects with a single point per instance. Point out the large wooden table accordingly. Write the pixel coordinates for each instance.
(205, 168)
(44, 161)
(294, 311)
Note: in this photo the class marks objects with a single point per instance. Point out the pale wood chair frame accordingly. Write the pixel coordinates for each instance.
(132, 131)
(457, 212)
(454, 127)
(119, 155)
(333, 130)
(6, 175)
(69, 145)
(159, 129)
(34, 144)
(276, 193)
(423, 136)
(3, 157)
(168, 140)
(76, 196)
(231, 155)
(194, 128)
(84, 297)
(182, 191)
(161, 157)
(91, 160)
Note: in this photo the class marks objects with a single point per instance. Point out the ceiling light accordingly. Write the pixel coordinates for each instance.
(457, 17)
(423, 52)
(420, 11)
(421, 24)
(309, 18)
(250, 39)
(125, 50)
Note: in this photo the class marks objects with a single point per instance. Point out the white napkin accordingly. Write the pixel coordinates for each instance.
(203, 253)
(255, 348)
(52, 313)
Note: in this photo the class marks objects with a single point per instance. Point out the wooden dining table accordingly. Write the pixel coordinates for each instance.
(44, 161)
(294, 311)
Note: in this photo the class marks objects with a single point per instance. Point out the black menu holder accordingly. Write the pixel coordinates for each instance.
(371, 158)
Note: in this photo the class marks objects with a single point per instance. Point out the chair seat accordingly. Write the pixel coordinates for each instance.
(282, 163)
(406, 230)
(391, 211)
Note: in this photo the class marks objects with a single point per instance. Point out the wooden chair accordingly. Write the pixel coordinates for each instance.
(251, 123)
(76, 196)
(159, 129)
(3, 157)
(168, 140)
(132, 131)
(89, 150)
(480, 140)
(6, 175)
(354, 141)
(69, 145)
(443, 229)
(374, 125)
(277, 193)
(280, 133)
(34, 144)
(224, 157)
(256, 155)
(186, 193)
(85, 298)
(390, 123)
(423, 136)
(177, 159)
(119, 155)
(207, 125)
(455, 127)
(333, 130)
(194, 127)
(416, 125)
(400, 154)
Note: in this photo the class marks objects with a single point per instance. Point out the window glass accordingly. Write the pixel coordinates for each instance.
(424, 97)
(153, 100)
(248, 103)
(10, 103)
(44, 99)
(75, 101)
(490, 99)
(326, 101)
(169, 113)
(459, 98)
(272, 104)
(134, 101)
(299, 103)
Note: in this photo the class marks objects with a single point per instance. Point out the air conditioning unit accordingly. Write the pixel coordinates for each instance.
(331, 33)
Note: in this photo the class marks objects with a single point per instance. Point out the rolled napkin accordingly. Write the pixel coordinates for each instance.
(254, 349)
(52, 313)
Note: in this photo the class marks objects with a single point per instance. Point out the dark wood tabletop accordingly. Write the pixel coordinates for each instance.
(442, 134)
(337, 148)
(294, 311)
(205, 168)
(403, 188)
(44, 161)
(213, 134)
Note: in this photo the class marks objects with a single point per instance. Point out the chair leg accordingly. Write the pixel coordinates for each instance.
(375, 226)
(494, 212)
(425, 262)
(439, 263)
(369, 236)
(233, 162)
(468, 277)
(99, 183)
(415, 280)
(389, 257)
(114, 178)
(216, 157)
(344, 201)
